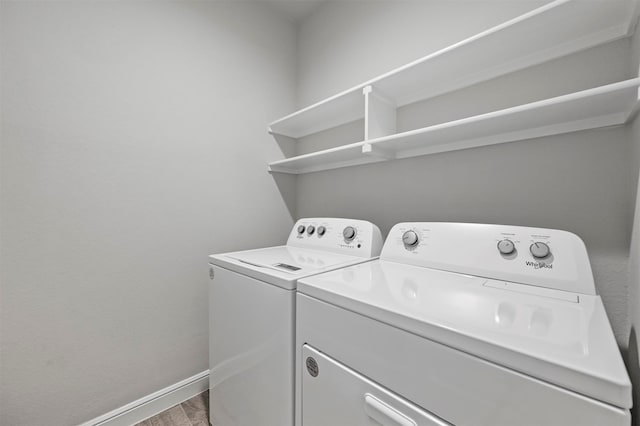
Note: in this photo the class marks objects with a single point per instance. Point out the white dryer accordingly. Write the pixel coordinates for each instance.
(462, 324)
(252, 313)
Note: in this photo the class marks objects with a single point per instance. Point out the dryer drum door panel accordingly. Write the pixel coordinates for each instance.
(333, 394)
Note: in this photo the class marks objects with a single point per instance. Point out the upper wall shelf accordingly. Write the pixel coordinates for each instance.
(554, 30)
(603, 106)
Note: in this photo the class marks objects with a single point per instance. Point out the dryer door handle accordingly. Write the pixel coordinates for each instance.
(384, 413)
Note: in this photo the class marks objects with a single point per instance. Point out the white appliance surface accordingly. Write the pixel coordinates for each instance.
(252, 314)
(520, 298)
(314, 246)
(562, 338)
(251, 326)
(283, 265)
(457, 387)
(338, 389)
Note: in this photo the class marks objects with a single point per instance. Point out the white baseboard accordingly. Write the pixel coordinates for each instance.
(154, 403)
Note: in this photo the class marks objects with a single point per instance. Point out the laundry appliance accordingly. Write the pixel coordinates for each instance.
(463, 324)
(252, 314)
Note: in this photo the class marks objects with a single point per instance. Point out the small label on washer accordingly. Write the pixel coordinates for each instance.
(285, 266)
(312, 366)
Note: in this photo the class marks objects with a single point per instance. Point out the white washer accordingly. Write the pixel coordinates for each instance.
(463, 324)
(252, 313)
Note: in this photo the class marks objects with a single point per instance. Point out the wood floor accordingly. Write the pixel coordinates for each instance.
(192, 412)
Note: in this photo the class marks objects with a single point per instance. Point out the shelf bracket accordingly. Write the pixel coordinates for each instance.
(379, 114)
(375, 151)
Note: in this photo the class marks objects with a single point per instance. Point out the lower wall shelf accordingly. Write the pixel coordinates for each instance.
(603, 106)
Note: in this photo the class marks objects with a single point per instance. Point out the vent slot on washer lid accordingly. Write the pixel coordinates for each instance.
(533, 290)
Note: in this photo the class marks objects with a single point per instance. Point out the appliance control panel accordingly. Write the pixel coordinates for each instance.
(541, 257)
(348, 236)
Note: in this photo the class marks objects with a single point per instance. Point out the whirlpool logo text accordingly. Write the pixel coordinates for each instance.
(539, 265)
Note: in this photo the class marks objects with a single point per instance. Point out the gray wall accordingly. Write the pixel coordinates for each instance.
(633, 360)
(133, 145)
(580, 182)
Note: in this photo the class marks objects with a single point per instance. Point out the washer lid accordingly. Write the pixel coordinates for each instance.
(560, 337)
(283, 265)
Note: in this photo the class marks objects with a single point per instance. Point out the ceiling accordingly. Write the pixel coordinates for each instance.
(295, 10)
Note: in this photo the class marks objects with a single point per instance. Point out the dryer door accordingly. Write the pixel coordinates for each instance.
(333, 394)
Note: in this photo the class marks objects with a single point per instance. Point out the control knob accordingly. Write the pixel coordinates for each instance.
(539, 250)
(410, 239)
(506, 246)
(301, 229)
(321, 230)
(349, 233)
(311, 229)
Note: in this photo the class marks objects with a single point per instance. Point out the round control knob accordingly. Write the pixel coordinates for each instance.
(349, 233)
(311, 229)
(321, 230)
(539, 250)
(410, 239)
(301, 229)
(506, 246)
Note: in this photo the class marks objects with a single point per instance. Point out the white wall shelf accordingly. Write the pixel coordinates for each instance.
(339, 109)
(557, 29)
(603, 106)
